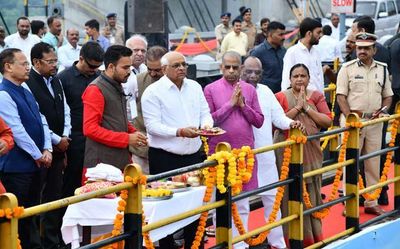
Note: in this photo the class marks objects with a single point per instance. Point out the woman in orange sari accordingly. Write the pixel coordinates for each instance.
(310, 108)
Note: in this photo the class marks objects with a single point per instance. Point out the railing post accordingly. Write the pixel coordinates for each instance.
(296, 193)
(9, 228)
(333, 145)
(133, 210)
(223, 232)
(352, 171)
(397, 165)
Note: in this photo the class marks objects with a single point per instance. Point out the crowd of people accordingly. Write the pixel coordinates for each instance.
(66, 108)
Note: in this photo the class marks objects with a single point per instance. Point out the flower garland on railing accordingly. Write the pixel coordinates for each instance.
(333, 86)
(205, 144)
(118, 221)
(278, 199)
(216, 176)
(9, 213)
(210, 178)
(389, 155)
(336, 182)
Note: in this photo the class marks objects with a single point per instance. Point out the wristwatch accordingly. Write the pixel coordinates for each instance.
(50, 150)
(307, 109)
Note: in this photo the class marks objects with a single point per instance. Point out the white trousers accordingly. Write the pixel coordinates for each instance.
(275, 236)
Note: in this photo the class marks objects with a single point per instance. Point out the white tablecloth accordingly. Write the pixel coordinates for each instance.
(101, 212)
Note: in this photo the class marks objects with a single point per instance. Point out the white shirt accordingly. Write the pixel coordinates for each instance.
(329, 48)
(335, 31)
(300, 54)
(15, 41)
(131, 90)
(273, 114)
(67, 54)
(166, 108)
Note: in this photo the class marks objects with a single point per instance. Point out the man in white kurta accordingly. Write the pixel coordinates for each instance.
(273, 114)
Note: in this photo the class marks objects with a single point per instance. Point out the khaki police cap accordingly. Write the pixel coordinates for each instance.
(365, 39)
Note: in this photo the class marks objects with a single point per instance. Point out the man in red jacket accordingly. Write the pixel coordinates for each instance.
(6, 144)
(6, 138)
(105, 122)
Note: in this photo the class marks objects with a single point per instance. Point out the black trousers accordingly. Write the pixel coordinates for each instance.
(26, 187)
(161, 161)
(73, 171)
(52, 183)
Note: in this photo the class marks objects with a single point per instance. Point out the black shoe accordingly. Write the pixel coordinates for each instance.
(383, 199)
(361, 201)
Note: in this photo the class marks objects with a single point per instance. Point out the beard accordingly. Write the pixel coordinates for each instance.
(314, 41)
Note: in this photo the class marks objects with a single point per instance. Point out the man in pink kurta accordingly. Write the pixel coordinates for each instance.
(237, 121)
(234, 107)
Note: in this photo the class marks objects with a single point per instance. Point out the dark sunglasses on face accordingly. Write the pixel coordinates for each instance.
(234, 67)
(92, 66)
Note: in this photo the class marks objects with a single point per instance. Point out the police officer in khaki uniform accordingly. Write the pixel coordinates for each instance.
(222, 29)
(249, 28)
(363, 87)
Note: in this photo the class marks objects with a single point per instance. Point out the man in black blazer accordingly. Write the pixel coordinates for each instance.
(49, 94)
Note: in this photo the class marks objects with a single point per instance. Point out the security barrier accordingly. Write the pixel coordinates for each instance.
(133, 227)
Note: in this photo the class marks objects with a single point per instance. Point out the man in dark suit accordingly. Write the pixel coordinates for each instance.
(48, 92)
(74, 80)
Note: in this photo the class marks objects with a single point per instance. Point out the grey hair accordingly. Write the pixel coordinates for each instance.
(164, 60)
(136, 37)
(234, 54)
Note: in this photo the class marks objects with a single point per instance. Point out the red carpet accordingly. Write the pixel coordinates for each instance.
(332, 224)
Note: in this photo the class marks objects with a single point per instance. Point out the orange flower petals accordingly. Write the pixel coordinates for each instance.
(388, 162)
(9, 213)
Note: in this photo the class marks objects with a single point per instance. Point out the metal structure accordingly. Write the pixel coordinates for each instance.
(133, 213)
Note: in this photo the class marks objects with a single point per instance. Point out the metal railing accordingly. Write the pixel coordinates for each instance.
(133, 214)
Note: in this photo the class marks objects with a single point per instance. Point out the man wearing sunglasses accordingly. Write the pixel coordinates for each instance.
(154, 72)
(75, 79)
(234, 107)
(49, 94)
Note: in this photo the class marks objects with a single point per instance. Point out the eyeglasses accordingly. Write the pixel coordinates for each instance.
(234, 67)
(50, 62)
(92, 66)
(249, 72)
(156, 70)
(178, 65)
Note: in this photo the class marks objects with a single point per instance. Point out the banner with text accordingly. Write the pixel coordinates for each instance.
(343, 6)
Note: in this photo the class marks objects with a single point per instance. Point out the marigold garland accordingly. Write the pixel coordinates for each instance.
(209, 175)
(238, 172)
(277, 203)
(388, 162)
(9, 213)
(205, 144)
(332, 85)
(119, 217)
(336, 183)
